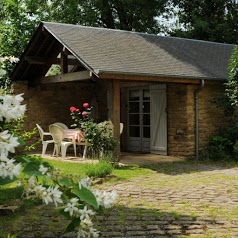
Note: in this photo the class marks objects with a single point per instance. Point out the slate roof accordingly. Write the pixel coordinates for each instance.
(103, 50)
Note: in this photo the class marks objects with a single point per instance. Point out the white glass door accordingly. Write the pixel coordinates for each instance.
(139, 120)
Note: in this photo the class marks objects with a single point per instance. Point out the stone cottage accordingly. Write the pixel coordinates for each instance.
(159, 87)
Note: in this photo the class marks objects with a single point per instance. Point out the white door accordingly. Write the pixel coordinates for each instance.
(139, 119)
(158, 119)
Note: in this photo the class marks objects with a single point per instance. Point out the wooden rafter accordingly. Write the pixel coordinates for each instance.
(46, 60)
(61, 78)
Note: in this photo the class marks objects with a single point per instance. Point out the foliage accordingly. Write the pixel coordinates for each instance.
(100, 138)
(5, 64)
(223, 145)
(17, 128)
(132, 15)
(99, 170)
(19, 19)
(232, 83)
(211, 20)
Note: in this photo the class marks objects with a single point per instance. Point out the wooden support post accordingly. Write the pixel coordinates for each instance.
(116, 115)
(64, 63)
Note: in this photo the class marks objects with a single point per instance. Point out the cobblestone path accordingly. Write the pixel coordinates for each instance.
(176, 200)
(192, 201)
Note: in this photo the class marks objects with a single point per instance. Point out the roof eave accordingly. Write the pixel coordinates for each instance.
(103, 73)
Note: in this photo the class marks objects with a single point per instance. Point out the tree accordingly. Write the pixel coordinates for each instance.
(19, 18)
(211, 20)
(232, 82)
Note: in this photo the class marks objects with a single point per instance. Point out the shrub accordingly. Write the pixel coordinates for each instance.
(223, 145)
(99, 136)
(99, 170)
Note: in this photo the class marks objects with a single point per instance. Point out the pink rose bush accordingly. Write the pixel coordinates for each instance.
(100, 138)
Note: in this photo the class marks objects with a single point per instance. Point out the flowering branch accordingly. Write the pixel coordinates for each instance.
(79, 201)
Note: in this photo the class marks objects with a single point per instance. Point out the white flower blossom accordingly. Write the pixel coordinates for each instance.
(8, 142)
(85, 182)
(2, 72)
(94, 233)
(10, 107)
(105, 199)
(43, 169)
(8, 167)
(71, 208)
(85, 213)
(3, 170)
(56, 195)
(13, 169)
(46, 196)
(48, 175)
(86, 229)
(39, 189)
(13, 59)
(31, 181)
(74, 201)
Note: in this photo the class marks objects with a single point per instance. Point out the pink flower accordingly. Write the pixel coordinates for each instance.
(85, 105)
(74, 109)
(84, 113)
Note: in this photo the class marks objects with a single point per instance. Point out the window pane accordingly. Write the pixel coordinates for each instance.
(134, 107)
(146, 119)
(146, 94)
(134, 131)
(134, 95)
(146, 107)
(134, 119)
(146, 132)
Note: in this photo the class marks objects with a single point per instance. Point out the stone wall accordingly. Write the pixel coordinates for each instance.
(181, 117)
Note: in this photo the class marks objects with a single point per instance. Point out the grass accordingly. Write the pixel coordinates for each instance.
(99, 170)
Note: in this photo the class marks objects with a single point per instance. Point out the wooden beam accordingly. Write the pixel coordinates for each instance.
(45, 60)
(116, 115)
(125, 77)
(64, 63)
(61, 78)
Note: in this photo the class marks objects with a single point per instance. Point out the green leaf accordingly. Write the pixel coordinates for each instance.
(62, 212)
(22, 159)
(73, 224)
(21, 141)
(65, 182)
(32, 168)
(7, 180)
(86, 195)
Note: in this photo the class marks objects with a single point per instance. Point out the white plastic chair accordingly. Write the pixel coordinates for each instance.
(84, 143)
(60, 145)
(44, 142)
(62, 125)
